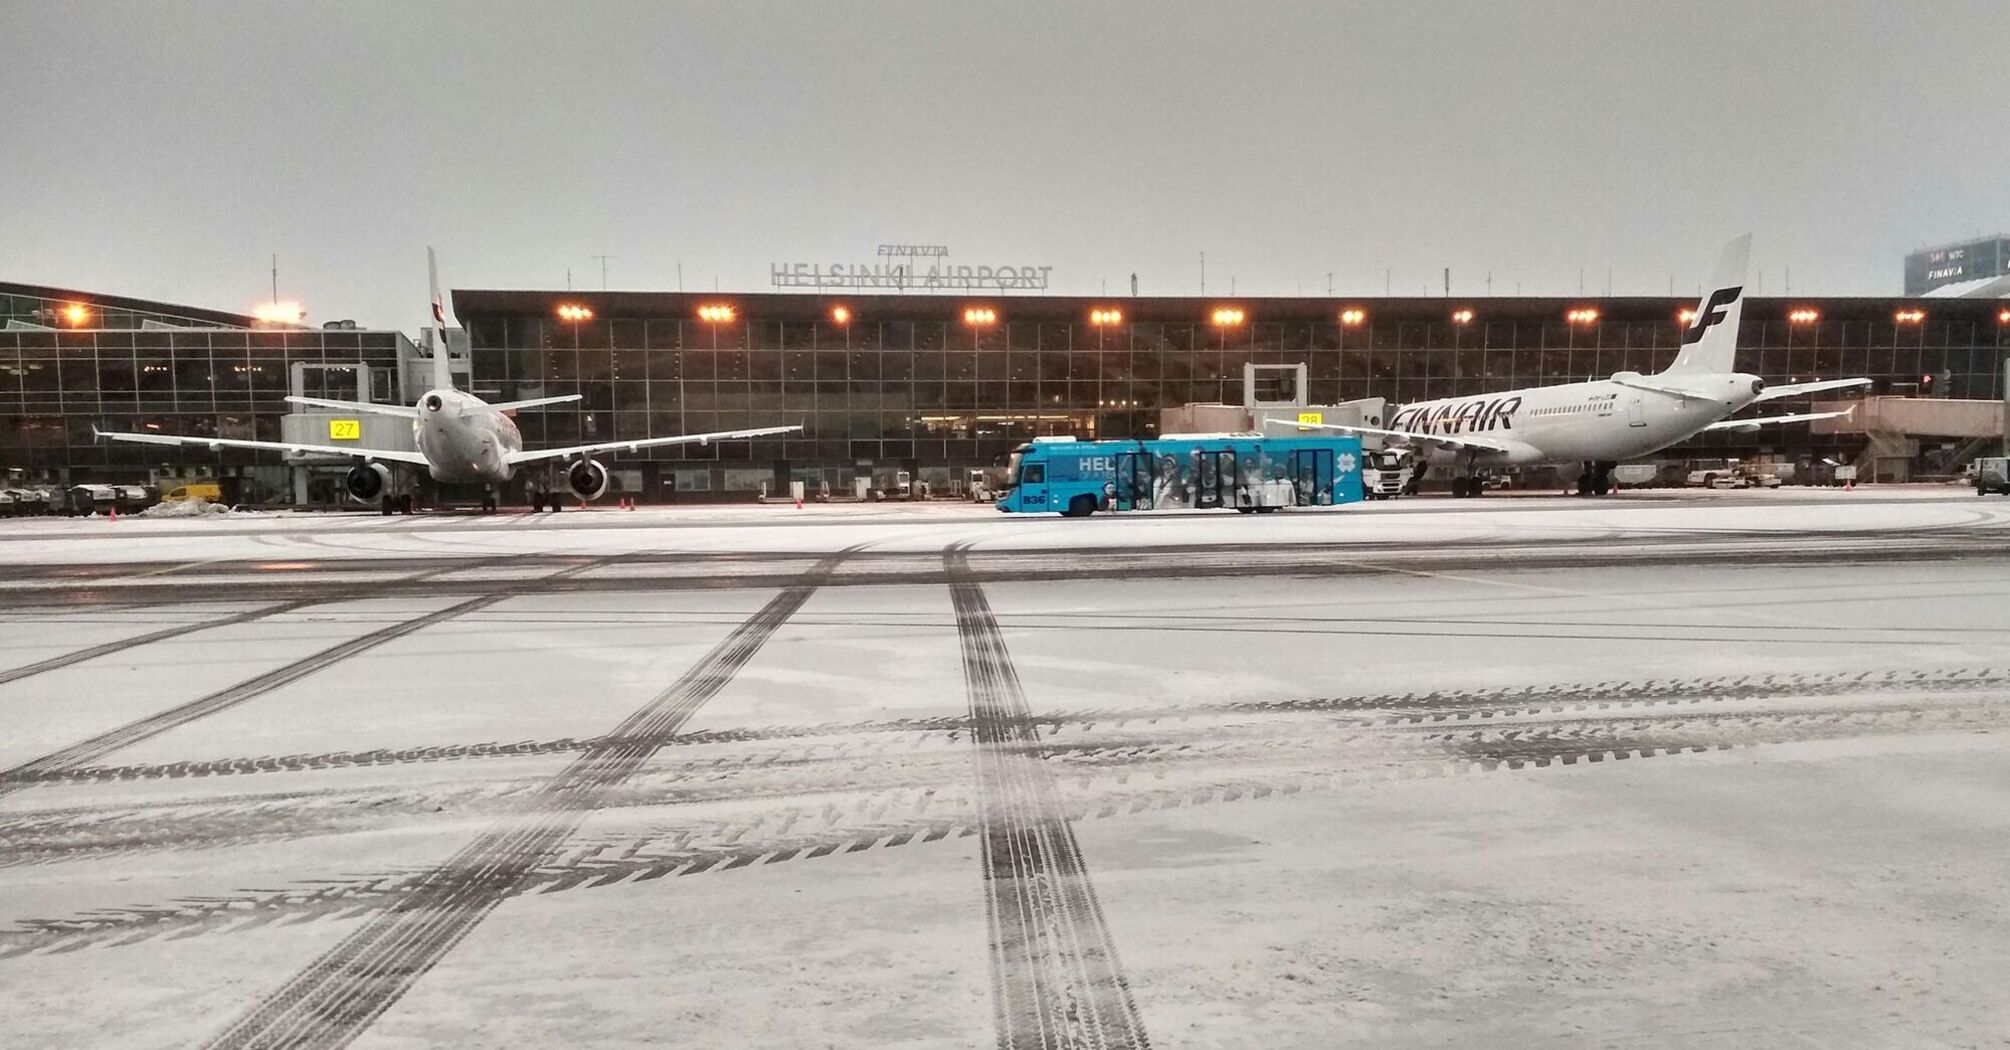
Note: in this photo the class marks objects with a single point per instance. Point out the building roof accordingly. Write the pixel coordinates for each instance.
(868, 306)
(121, 302)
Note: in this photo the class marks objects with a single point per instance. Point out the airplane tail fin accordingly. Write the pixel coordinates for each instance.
(1710, 343)
(443, 361)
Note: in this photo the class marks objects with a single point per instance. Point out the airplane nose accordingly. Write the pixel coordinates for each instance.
(433, 402)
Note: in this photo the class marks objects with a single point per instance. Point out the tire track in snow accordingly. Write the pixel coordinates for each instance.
(84, 751)
(1056, 980)
(1376, 709)
(340, 994)
(914, 815)
(55, 663)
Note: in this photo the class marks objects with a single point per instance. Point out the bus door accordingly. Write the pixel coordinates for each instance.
(1312, 476)
(1032, 490)
(1133, 481)
(1215, 487)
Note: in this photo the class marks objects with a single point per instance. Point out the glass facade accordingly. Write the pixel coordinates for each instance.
(907, 383)
(159, 372)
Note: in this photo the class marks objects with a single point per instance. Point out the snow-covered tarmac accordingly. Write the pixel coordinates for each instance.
(1695, 770)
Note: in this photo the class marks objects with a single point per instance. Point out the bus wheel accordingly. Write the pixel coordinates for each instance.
(1081, 506)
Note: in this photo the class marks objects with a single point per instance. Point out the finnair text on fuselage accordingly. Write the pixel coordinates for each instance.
(1459, 417)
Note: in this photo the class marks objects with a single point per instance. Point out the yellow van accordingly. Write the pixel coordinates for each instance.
(208, 490)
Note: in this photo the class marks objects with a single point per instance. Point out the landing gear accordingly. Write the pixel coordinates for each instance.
(557, 502)
(390, 506)
(488, 501)
(1463, 487)
(1595, 480)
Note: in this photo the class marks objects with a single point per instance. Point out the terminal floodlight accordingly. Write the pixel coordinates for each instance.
(1804, 315)
(76, 315)
(1582, 315)
(1909, 316)
(1227, 316)
(285, 312)
(979, 316)
(574, 312)
(1353, 317)
(840, 315)
(1101, 318)
(1462, 317)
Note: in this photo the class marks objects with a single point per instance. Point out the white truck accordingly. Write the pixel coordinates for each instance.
(1386, 472)
(1992, 474)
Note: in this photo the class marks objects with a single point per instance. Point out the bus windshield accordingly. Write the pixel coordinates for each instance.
(1012, 467)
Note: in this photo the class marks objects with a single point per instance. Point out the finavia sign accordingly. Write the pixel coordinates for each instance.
(902, 269)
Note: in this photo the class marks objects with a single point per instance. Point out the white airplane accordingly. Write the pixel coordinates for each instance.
(461, 438)
(1600, 423)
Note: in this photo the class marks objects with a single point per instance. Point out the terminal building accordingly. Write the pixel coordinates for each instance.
(937, 385)
(927, 386)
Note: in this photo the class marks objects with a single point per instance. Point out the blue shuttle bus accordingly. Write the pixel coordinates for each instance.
(1253, 473)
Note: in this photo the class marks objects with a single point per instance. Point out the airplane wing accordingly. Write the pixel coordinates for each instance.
(1797, 389)
(533, 455)
(508, 406)
(365, 407)
(1411, 437)
(372, 455)
(1754, 424)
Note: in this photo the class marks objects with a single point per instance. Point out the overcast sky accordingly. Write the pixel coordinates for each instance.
(166, 149)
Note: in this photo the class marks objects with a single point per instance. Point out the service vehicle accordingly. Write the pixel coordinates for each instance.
(1992, 474)
(203, 490)
(1386, 472)
(1251, 473)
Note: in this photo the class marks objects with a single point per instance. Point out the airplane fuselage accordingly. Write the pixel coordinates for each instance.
(463, 439)
(1599, 421)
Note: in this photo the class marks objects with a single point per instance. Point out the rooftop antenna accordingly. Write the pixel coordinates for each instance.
(603, 269)
(1329, 284)
(568, 278)
(1203, 273)
(680, 277)
(275, 278)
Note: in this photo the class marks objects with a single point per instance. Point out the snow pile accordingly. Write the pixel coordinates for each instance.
(187, 508)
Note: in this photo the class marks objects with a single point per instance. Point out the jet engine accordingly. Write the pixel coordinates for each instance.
(368, 482)
(587, 479)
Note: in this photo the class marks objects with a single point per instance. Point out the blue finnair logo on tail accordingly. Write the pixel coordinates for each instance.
(1711, 314)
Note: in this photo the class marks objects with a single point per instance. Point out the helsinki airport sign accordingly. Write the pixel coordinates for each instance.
(915, 267)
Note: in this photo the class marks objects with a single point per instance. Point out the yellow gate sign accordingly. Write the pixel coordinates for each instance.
(1312, 417)
(345, 430)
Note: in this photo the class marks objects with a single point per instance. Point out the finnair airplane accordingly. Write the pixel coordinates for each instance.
(1601, 423)
(461, 437)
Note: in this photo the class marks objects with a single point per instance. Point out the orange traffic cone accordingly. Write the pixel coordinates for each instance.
(115, 512)
(1849, 485)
